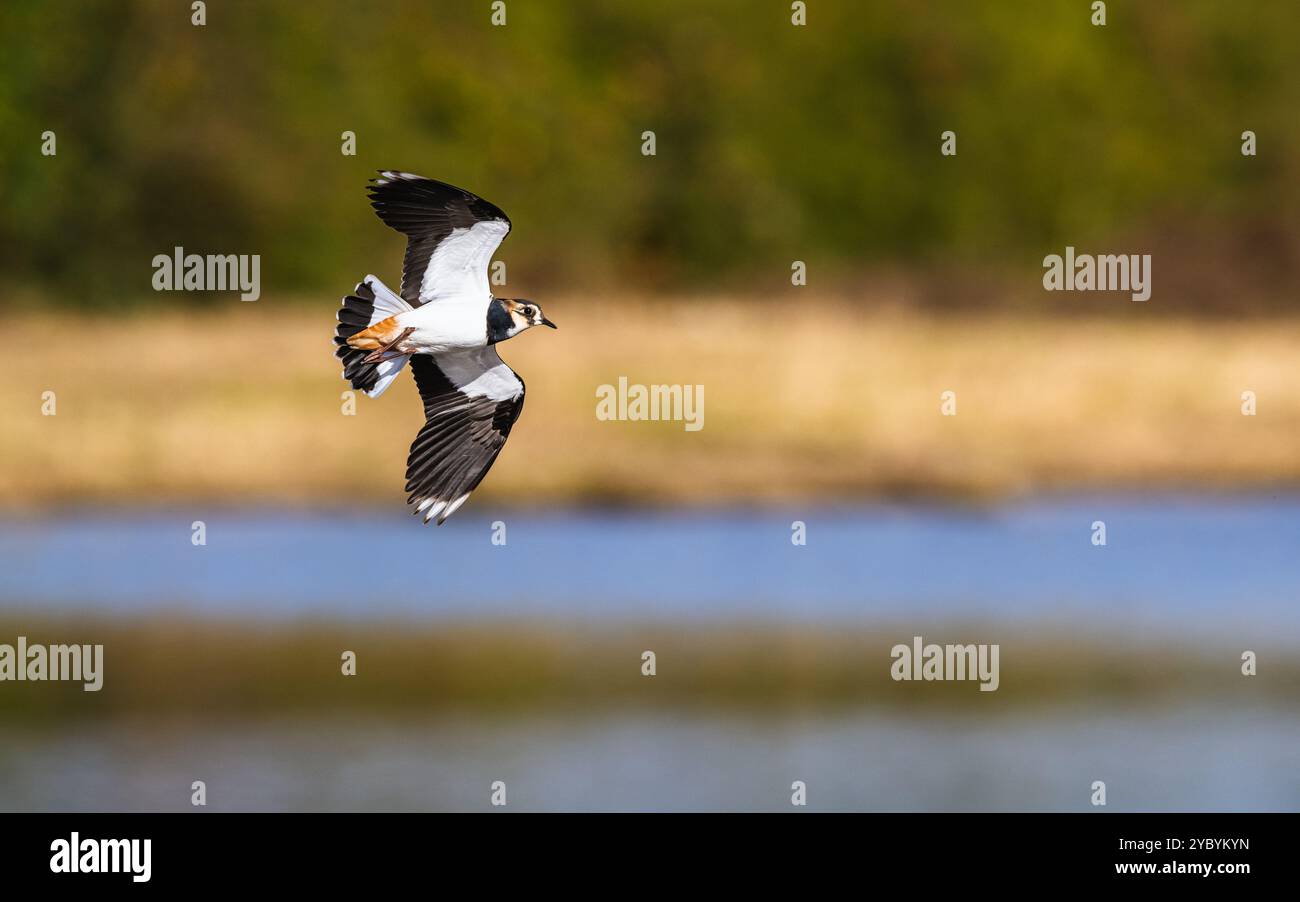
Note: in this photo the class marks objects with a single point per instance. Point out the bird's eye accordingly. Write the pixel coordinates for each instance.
(528, 311)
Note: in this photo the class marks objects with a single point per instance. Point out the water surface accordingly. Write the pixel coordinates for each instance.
(1190, 757)
(1171, 565)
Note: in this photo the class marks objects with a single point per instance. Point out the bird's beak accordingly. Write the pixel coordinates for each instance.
(547, 322)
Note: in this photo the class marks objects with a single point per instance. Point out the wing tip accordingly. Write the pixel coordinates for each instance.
(394, 175)
(430, 190)
(431, 507)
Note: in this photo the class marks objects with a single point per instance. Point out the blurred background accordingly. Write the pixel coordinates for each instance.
(775, 144)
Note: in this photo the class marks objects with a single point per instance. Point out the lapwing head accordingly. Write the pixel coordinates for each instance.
(525, 314)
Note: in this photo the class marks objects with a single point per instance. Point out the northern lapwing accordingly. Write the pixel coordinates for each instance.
(446, 323)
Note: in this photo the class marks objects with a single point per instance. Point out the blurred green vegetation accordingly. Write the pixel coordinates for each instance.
(774, 142)
(179, 665)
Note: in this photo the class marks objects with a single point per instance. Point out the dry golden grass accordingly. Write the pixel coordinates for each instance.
(822, 401)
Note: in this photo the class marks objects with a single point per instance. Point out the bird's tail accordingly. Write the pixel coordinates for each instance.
(370, 302)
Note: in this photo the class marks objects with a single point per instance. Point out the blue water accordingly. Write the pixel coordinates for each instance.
(1171, 564)
(1186, 757)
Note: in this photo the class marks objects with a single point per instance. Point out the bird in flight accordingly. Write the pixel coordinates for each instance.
(447, 324)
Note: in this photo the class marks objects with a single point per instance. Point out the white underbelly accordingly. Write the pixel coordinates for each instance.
(445, 326)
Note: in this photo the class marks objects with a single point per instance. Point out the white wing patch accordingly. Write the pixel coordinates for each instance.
(388, 370)
(481, 373)
(458, 265)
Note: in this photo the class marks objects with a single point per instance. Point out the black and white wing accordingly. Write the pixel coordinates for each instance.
(452, 235)
(471, 400)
